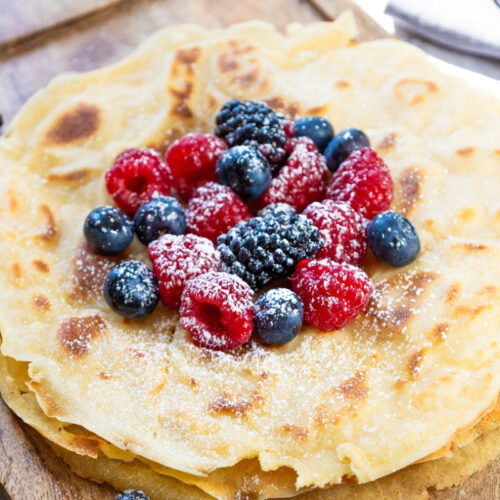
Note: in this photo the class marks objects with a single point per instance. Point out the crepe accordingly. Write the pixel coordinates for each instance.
(401, 384)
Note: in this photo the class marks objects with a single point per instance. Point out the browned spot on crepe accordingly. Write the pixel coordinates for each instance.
(224, 403)
(414, 362)
(289, 109)
(452, 292)
(297, 432)
(247, 79)
(497, 152)
(76, 333)
(317, 110)
(470, 247)
(413, 90)
(466, 310)
(13, 201)
(212, 101)
(440, 332)
(391, 315)
(354, 388)
(105, 375)
(408, 190)
(388, 142)
(465, 151)
(73, 176)
(227, 62)
(50, 230)
(400, 384)
(41, 266)
(79, 123)
(240, 47)
(466, 214)
(17, 272)
(90, 271)
(343, 84)
(181, 98)
(187, 56)
(41, 301)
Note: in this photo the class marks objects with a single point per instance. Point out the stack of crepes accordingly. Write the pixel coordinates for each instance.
(402, 398)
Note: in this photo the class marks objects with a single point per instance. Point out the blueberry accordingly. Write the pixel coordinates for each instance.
(277, 209)
(245, 171)
(132, 495)
(342, 145)
(159, 216)
(278, 316)
(393, 239)
(317, 128)
(131, 289)
(108, 231)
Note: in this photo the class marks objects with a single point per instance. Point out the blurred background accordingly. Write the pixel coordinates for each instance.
(42, 38)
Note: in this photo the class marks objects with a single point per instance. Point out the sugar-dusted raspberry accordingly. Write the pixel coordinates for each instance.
(363, 180)
(137, 175)
(333, 293)
(302, 180)
(192, 161)
(177, 259)
(213, 210)
(342, 230)
(217, 309)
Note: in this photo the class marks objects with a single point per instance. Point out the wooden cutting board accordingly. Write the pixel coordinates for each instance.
(42, 38)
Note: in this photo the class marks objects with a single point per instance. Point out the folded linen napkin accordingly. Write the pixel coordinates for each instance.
(464, 25)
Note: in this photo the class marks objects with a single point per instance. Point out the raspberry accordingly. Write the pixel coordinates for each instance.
(137, 175)
(363, 181)
(213, 210)
(177, 259)
(192, 161)
(333, 293)
(217, 309)
(342, 230)
(302, 180)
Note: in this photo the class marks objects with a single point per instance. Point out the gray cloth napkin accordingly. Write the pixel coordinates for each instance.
(471, 26)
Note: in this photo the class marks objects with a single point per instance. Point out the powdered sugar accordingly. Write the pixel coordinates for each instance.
(176, 259)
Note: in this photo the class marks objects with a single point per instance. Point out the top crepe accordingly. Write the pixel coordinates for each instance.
(392, 388)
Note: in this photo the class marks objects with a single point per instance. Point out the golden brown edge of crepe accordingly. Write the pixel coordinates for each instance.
(91, 457)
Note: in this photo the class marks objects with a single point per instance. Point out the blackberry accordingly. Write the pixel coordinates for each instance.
(267, 248)
(252, 123)
(277, 209)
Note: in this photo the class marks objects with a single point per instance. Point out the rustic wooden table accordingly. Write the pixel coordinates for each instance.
(42, 38)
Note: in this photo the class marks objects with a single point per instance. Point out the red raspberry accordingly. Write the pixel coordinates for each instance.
(137, 175)
(302, 180)
(177, 259)
(333, 293)
(342, 230)
(213, 210)
(217, 309)
(192, 161)
(363, 180)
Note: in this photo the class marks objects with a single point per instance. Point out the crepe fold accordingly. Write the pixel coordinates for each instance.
(412, 379)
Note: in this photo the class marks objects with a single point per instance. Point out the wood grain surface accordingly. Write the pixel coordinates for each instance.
(42, 38)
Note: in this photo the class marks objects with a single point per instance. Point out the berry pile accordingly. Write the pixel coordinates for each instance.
(323, 200)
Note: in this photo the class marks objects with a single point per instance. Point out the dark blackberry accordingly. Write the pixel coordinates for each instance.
(276, 209)
(252, 123)
(267, 248)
